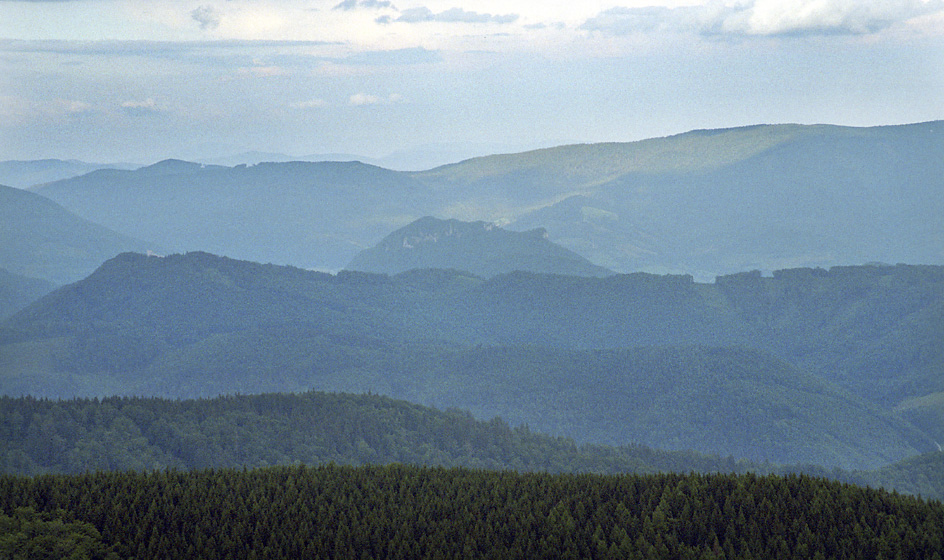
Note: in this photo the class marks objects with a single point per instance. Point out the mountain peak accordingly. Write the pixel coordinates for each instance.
(175, 166)
(482, 248)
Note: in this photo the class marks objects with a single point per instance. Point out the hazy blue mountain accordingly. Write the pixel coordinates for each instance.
(40, 239)
(477, 247)
(783, 368)
(312, 215)
(927, 413)
(23, 174)
(920, 475)
(16, 291)
(705, 203)
(722, 201)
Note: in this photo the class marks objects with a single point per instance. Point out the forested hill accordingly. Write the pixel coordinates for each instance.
(122, 433)
(146, 434)
(805, 366)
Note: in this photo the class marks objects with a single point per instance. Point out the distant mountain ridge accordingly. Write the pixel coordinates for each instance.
(480, 248)
(705, 203)
(311, 215)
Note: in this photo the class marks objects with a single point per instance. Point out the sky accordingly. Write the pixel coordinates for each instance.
(143, 80)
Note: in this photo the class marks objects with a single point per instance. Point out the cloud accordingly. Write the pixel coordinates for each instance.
(366, 4)
(207, 17)
(261, 71)
(452, 15)
(364, 99)
(140, 108)
(71, 106)
(310, 104)
(764, 17)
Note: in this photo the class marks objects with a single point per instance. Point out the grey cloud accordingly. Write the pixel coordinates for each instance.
(452, 15)
(764, 18)
(207, 17)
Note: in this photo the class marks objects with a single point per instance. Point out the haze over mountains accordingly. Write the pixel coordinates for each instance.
(704, 203)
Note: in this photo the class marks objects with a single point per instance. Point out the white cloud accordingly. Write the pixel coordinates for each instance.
(768, 17)
(264, 71)
(364, 99)
(310, 104)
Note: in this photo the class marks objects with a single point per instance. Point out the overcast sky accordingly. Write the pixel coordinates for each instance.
(142, 80)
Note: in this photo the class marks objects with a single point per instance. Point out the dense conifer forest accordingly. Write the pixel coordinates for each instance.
(398, 511)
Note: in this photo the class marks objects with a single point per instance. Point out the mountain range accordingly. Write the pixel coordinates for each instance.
(704, 291)
(705, 203)
(806, 366)
(24, 174)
